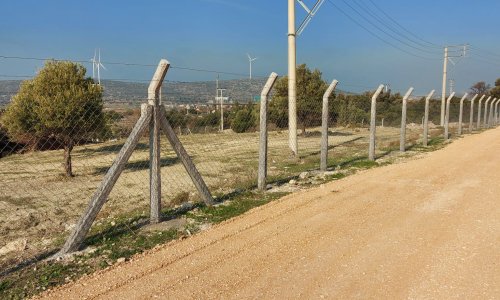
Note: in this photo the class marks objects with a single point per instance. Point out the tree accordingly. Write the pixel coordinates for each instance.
(60, 105)
(495, 92)
(176, 118)
(310, 90)
(480, 88)
(244, 119)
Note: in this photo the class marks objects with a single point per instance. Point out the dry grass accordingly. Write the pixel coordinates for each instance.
(39, 204)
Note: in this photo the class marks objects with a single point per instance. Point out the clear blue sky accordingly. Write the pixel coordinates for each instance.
(217, 34)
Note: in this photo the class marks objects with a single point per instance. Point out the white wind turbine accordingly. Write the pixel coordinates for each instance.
(250, 60)
(96, 65)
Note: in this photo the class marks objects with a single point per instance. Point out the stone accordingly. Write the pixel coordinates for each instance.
(17, 246)
(304, 175)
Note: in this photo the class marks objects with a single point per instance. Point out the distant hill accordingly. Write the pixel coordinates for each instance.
(8, 88)
(177, 92)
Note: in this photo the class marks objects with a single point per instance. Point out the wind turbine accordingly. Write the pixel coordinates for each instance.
(96, 65)
(250, 60)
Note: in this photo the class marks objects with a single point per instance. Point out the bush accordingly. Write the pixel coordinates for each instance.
(243, 121)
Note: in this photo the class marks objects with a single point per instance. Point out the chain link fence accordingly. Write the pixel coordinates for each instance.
(40, 203)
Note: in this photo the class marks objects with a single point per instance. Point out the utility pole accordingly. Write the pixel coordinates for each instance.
(452, 85)
(447, 57)
(292, 81)
(217, 97)
(443, 91)
(216, 90)
(292, 65)
(221, 97)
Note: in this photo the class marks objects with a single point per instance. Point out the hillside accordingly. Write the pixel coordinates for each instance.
(178, 92)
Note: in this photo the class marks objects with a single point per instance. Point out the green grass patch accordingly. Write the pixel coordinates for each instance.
(240, 205)
(29, 282)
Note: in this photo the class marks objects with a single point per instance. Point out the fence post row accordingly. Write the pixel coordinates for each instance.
(373, 121)
(471, 115)
(402, 137)
(447, 117)
(154, 141)
(426, 118)
(324, 126)
(460, 115)
(262, 172)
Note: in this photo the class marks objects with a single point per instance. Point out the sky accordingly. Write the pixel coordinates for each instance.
(218, 34)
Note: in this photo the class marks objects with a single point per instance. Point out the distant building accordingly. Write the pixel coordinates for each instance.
(217, 100)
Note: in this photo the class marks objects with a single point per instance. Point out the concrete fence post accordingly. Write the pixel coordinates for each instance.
(460, 115)
(262, 172)
(479, 107)
(471, 115)
(447, 117)
(426, 118)
(373, 123)
(496, 112)
(324, 126)
(154, 141)
(490, 115)
(485, 117)
(153, 115)
(402, 135)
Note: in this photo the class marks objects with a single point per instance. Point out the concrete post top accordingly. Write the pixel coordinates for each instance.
(330, 89)
(408, 94)
(377, 92)
(269, 84)
(450, 97)
(156, 82)
(464, 97)
(430, 95)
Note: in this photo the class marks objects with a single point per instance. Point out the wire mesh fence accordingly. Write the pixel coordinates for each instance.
(40, 201)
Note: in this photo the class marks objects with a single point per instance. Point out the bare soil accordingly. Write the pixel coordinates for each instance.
(424, 228)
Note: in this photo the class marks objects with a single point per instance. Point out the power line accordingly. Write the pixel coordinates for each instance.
(131, 64)
(485, 61)
(486, 52)
(390, 27)
(377, 36)
(385, 32)
(484, 56)
(402, 27)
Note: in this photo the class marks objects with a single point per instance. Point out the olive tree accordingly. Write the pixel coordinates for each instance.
(61, 105)
(310, 90)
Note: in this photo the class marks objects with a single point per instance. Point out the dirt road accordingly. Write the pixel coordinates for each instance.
(426, 228)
